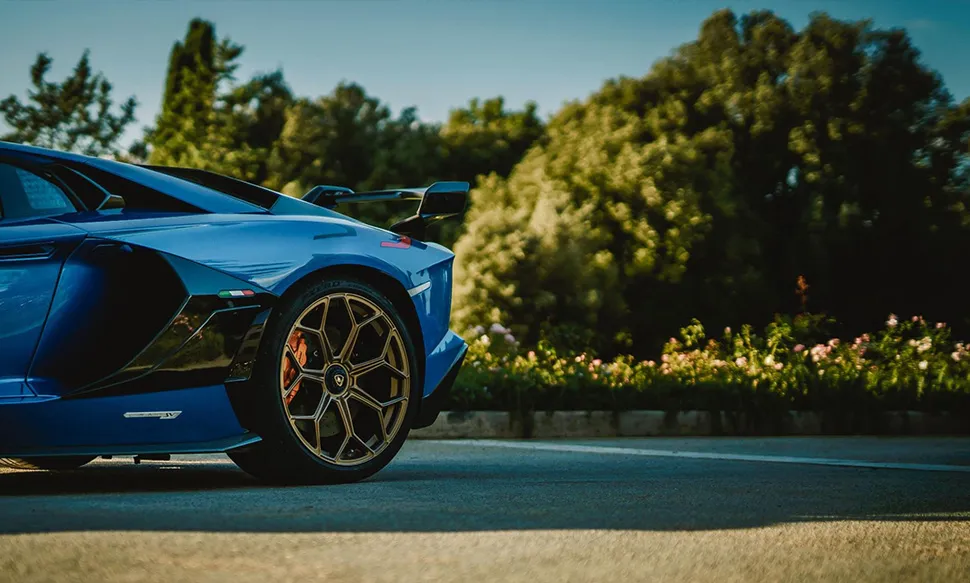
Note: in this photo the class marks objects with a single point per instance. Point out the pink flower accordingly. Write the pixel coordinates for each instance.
(819, 352)
(532, 355)
(799, 347)
(892, 321)
(741, 361)
(940, 325)
(779, 366)
(955, 356)
(665, 358)
(597, 362)
(834, 342)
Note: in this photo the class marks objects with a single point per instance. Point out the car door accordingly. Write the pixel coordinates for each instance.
(33, 247)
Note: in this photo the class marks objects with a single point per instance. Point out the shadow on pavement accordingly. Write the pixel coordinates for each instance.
(118, 478)
(450, 490)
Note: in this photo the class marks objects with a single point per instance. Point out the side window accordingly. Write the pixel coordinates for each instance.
(24, 194)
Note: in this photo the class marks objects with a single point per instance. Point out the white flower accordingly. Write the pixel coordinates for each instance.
(769, 360)
(955, 356)
(484, 339)
(923, 345)
(497, 328)
(819, 352)
(510, 339)
(741, 361)
(892, 321)
(478, 330)
(923, 364)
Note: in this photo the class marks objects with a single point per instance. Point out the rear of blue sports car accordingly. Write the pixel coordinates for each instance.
(151, 311)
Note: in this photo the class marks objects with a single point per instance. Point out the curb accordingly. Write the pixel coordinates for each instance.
(580, 424)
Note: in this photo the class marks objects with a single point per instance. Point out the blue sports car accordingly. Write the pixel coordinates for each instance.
(150, 311)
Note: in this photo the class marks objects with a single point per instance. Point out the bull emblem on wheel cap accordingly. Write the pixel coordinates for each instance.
(339, 379)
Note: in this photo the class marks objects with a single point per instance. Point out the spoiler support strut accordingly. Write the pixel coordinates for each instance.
(439, 201)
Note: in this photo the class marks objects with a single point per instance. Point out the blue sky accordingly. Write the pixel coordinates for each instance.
(432, 54)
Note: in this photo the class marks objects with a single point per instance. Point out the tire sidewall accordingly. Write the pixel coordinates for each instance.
(277, 430)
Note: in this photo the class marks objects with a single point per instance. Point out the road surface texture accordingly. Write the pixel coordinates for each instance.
(617, 510)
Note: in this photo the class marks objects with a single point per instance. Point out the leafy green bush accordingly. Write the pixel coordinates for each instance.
(908, 365)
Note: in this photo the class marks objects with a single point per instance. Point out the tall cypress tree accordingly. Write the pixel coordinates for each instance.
(208, 122)
(187, 125)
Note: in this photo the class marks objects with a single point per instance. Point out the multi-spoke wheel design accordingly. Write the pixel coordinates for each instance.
(335, 388)
(345, 379)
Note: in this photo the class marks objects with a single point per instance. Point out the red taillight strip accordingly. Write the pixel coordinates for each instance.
(403, 243)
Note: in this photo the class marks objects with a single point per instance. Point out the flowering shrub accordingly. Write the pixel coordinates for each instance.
(909, 364)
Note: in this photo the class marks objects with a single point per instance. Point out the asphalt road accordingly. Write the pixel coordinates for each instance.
(589, 510)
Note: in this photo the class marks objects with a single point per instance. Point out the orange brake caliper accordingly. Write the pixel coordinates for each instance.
(297, 344)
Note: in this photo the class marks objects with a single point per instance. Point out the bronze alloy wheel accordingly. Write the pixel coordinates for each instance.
(344, 379)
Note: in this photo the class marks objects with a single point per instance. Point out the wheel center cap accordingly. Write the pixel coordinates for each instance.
(337, 379)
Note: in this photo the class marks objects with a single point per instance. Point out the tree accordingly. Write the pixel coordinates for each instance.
(349, 138)
(207, 122)
(74, 115)
(751, 156)
(330, 140)
(485, 137)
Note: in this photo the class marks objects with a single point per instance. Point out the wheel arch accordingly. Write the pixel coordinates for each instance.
(384, 283)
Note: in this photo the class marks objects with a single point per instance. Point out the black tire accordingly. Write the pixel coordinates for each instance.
(52, 464)
(282, 457)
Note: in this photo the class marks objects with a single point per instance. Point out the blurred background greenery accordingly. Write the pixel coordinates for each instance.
(758, 170)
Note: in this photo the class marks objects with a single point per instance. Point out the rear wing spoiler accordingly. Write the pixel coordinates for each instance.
(439, 201)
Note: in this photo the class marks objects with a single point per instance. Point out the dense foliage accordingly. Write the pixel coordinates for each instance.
(75, 114)
(752, 155)
(794, 365)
